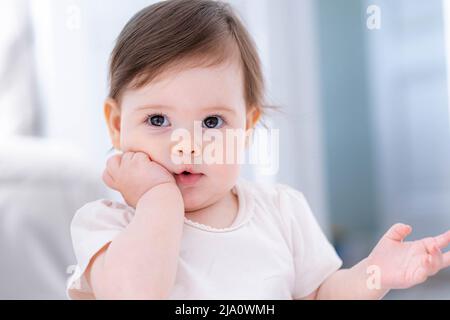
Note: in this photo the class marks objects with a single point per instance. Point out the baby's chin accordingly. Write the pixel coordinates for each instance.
(194, 200)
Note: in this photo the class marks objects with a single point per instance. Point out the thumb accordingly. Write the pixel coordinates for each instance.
(398, 232)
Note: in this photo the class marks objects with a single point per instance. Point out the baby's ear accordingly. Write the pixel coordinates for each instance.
(113, 116)
(253, 116)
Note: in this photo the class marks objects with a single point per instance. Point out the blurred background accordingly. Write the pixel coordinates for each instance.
(364, 127)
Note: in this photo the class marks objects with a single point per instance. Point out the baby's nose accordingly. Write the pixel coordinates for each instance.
(184, 149)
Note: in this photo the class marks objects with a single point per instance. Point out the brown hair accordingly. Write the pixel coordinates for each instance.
(169, 33)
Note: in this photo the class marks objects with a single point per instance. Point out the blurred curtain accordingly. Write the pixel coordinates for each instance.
(411, 116)
(286, 34)
(73, 42)
(18, 95)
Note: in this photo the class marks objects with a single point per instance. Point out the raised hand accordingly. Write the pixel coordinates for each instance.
(133, 174)
(403, 264)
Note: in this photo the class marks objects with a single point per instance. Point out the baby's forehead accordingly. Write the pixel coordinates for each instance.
(191, 88)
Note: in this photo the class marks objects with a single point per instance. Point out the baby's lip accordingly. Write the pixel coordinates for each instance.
(188, 180)
(185, 169)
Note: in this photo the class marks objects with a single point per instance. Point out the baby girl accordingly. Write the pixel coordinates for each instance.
(195, 230)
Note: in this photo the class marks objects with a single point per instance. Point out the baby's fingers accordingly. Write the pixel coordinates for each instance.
(446, 259)
(108, 179)
(113, 163)
(398, 232)
(434, 260)
(127, 157)
(443, 240)
(141, 157)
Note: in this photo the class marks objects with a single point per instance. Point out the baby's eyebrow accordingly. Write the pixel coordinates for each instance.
(219, 108)
(154, 106)
(222, 108)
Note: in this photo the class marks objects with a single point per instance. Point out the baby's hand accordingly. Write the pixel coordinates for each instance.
(133, 174)
(403, 264)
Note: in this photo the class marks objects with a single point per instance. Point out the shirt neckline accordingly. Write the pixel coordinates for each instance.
(245, 210)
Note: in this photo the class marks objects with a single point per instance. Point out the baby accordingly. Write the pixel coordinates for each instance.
(196, 230)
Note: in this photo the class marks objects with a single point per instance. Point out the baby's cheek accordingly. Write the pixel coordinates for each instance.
(130, 142)
(234, 150)
(225, 172)
(138, 143)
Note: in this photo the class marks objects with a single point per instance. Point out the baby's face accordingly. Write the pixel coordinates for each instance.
(210, 97)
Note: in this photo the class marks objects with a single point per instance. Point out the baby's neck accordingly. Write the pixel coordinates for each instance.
(219, 215)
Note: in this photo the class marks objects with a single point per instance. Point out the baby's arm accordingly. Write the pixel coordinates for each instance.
(141, 262)
(393, 264)
(348, 284)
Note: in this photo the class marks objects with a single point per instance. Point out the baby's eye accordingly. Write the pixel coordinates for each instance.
(213, 122)
(158, 120)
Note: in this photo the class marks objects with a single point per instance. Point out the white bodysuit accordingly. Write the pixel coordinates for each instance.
(274, 249)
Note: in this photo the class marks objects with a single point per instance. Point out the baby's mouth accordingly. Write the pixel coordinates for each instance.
(187, 178)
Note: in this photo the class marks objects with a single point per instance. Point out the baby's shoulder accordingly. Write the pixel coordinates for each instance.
(269, 193)
(277, 201)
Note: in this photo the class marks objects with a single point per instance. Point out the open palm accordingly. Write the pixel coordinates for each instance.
(403, 264)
